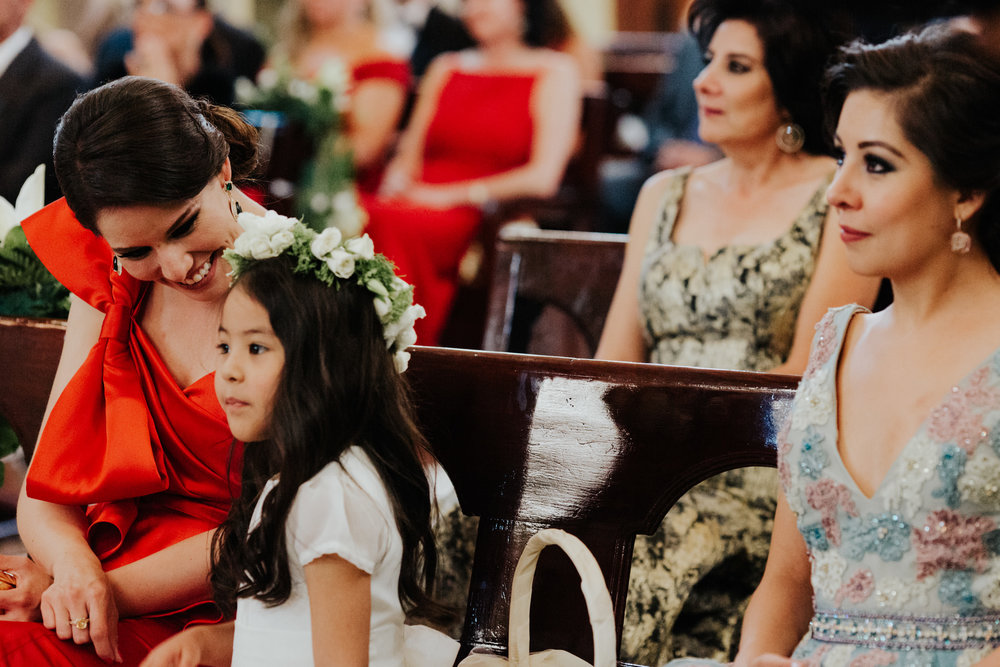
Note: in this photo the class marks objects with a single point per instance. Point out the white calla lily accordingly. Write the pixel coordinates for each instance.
(30, 199)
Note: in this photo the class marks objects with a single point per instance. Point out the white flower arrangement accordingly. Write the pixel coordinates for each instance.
(26, 286)
(325, 194)
(333, 259)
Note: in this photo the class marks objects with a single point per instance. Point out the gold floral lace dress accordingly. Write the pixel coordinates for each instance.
(735, 309)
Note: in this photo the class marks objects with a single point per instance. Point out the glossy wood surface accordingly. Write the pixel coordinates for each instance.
(29, 354)
(573, 272)
(601, 449)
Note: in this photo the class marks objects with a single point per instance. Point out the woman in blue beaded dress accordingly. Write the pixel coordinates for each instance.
(886, 542)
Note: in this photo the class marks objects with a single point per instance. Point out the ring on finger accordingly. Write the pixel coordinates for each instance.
(81, 623)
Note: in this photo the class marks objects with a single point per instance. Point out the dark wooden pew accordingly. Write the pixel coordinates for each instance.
(29, 354)
(551, 290)
(600, 449)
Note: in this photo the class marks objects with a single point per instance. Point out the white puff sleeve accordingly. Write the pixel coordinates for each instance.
(342, 510)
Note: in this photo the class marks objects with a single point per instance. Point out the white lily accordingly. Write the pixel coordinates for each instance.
(30, 199)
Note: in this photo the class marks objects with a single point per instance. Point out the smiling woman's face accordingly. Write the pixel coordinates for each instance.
(176, 245)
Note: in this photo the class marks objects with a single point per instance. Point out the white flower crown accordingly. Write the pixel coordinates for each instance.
(332, 260)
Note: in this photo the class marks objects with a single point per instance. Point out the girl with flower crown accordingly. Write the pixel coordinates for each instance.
(331, 536)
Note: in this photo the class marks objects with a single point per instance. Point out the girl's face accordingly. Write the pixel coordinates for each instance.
(176, 245)
(894, 214)
(486, 20)
(735, 97)
(251, 359)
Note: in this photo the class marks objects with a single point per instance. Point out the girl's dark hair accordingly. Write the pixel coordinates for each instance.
(546, 24)
(799, 39)
(944, 85)
(339, 387)
(142, 141)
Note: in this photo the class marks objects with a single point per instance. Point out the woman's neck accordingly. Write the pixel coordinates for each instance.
(945, 289)
(757, 165)
(503, 51)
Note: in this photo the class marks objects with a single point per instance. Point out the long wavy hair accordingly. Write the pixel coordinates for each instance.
(338, 388)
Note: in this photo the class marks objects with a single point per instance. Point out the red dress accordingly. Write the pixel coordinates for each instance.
(482, 126)
(154, 463)
(395, 71)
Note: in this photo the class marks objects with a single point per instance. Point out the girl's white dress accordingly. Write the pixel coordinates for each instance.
(343, 510)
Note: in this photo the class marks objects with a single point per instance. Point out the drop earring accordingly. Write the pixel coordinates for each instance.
(961, 242)
(115, 265)
(791, 137)
(234, 206)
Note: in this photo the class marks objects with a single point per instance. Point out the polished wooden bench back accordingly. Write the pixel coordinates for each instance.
(601, 449)
(29, 354)
(538, 271)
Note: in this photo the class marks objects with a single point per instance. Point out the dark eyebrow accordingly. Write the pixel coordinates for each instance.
(186, 216)
(881, 144)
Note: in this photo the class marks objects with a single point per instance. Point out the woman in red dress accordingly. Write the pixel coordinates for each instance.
(492, 123)
(318, 31)
(135, 466)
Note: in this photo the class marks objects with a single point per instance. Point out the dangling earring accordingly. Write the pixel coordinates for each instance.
(961, 242)
(234, 206)
(791, 137)
(115, 265)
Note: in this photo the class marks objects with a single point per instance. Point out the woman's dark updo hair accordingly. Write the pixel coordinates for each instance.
(945, 87)
(799, 39)
(142, 141)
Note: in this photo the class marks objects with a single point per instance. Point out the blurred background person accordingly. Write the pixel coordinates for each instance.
(318, 31)
(35, 90)
(730, 265)
(491, 123)
(181, 42)
(670, 122)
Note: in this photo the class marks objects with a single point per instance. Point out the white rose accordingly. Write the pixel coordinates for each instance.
(268, 78)
(282, 240)
(406, 338)
(402, 360)
(361, 246)
(344, 202)
(327, 240)
(341, 263)
(333, 75)
(381, 307)
(259, 247)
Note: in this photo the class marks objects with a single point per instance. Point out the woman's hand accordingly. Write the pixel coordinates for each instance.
(79, 605)
(438, 196)
(200, 645)
(22, 603)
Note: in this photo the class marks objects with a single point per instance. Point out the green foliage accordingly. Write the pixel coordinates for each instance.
(26, 287)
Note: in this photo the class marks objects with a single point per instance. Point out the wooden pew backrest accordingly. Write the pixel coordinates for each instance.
(572, 273)
(29, 355)
(601, 449)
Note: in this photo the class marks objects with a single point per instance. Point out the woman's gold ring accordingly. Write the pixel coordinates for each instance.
(80, 623)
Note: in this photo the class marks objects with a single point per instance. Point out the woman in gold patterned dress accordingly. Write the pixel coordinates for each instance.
(730, 266)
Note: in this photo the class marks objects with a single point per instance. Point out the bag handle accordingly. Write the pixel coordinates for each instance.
(595, 592)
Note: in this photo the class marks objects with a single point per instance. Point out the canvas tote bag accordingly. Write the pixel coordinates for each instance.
(595, 592)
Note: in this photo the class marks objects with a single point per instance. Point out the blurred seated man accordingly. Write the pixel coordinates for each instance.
(180, 41)
(35, 90)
